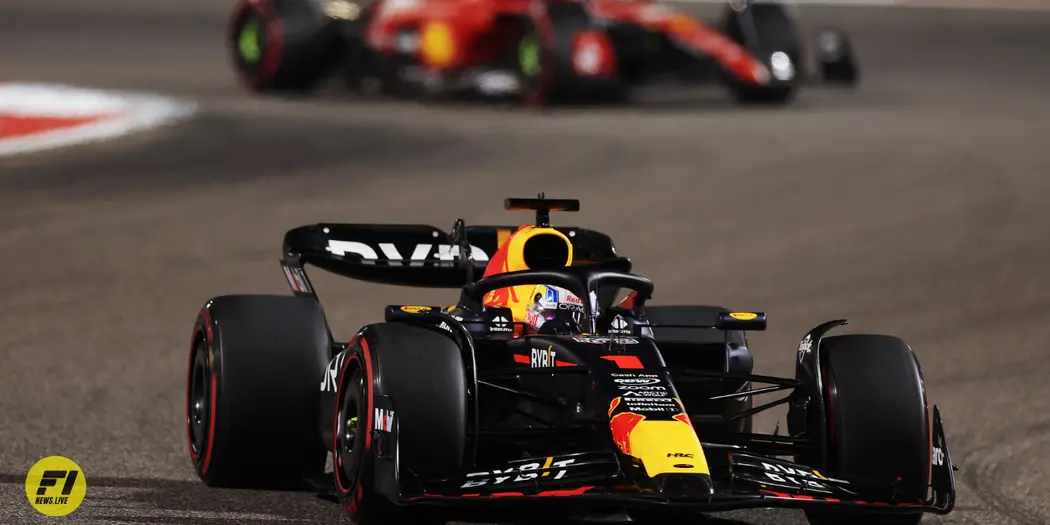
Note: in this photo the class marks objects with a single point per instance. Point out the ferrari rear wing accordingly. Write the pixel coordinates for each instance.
(418, 255)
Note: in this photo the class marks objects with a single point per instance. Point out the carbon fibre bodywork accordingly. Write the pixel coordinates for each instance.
(576, 455)
(607, 418)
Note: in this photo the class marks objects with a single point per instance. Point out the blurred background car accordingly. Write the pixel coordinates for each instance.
(533, 52)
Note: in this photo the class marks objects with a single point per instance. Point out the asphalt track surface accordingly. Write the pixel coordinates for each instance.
(916, 206)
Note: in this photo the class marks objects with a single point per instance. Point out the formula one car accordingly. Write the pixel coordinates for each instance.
(612, 408)
(532, 51)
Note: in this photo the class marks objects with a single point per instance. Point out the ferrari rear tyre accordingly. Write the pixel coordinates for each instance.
(767, 31)
(281, 45)
(421, 372)
(534, 64)
(878, 426)
(553, 69)
(252, 396)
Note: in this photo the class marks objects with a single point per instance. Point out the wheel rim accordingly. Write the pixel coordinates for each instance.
(249, 41)
(349, 435)
(529, 56)
(199, 401)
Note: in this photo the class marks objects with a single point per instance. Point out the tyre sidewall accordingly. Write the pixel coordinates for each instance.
(874, 394)
(262, 398)
(390, 357)
(779, 35)
(204, 340)
(356, 380)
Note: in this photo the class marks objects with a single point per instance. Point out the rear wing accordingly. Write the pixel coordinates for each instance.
(742, 321)
(418, 255)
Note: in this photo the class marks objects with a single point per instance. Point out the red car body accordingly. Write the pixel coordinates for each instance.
(575, 47)
(458, 34)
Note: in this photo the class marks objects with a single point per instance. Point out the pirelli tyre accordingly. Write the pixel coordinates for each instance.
(252, 391)
(402, 404)
(878, 424)
(769, 32)
(554, 70)
(282, 45)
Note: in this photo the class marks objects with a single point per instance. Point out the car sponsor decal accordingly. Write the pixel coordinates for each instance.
(544, 358)
(550, 468)
(297, 279)
(500, 324)
(798, 477)
(604, 340)
(619, 326)
(805, 347)
(637, 380)
(417, 255)
(330, 383)
(643, 393)
(384, 419)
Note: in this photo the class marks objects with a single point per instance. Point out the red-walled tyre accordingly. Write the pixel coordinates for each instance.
(281, 45)
(878, 422)
(552, 67)
(252, 391)
(421, 372)
(768, 31)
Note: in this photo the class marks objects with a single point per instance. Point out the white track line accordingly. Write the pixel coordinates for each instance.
(128, 113)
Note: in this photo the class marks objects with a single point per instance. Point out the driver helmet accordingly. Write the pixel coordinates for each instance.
(555, 310)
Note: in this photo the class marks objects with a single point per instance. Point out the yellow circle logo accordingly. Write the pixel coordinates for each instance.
(415, 309)
(743, 316)
(55, 486)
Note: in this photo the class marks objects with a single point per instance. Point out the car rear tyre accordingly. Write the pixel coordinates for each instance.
(421, 372)
(281, 45)
(547, 65)
(252, 396)
(768, 32)
(878, 420)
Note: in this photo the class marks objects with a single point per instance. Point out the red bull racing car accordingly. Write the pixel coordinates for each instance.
(519, 402)
(531, 51)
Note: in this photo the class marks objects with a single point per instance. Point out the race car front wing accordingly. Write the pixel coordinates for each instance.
(741, 479)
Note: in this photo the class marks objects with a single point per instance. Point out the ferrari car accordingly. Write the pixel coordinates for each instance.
(611, 408)
(535, 52)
